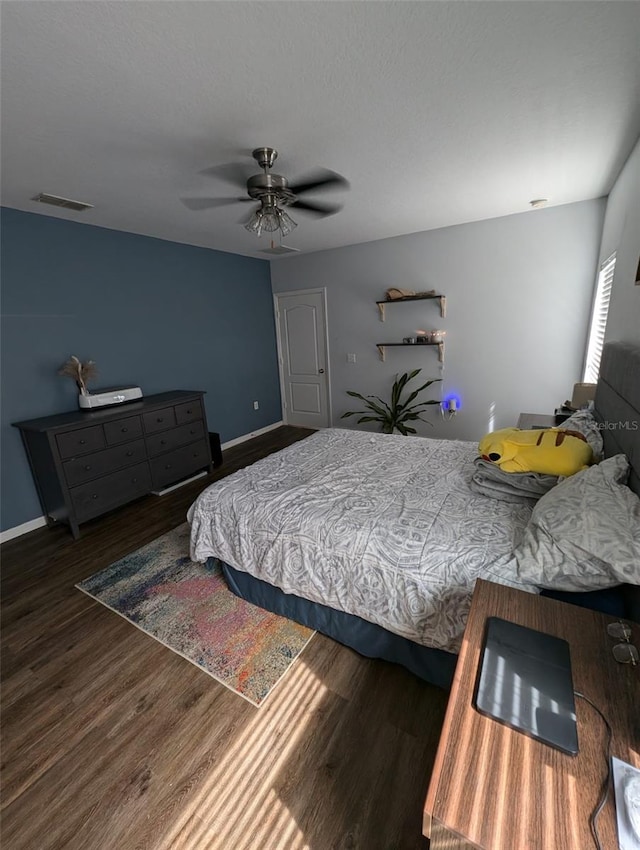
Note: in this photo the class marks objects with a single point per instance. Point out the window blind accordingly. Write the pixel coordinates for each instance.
(599, 315)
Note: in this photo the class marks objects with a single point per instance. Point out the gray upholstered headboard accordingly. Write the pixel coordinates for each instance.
(617, 404)
(617, 407)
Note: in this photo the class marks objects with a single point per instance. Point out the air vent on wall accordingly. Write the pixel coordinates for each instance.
(67, 203)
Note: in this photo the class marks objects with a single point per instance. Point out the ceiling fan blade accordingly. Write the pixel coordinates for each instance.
(319, 210)
(231, 172)
(320, 179)
(199, 204)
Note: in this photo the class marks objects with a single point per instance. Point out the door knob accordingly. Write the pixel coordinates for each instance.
(320, 371)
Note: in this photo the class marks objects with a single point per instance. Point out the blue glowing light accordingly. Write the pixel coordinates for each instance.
(452, 402)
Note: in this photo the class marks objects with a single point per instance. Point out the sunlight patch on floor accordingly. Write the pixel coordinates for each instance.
(249, 814)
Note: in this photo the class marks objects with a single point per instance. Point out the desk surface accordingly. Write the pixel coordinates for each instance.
(500, 790)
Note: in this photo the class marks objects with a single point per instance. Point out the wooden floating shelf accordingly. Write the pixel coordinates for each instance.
(382, 345)
(441, 298)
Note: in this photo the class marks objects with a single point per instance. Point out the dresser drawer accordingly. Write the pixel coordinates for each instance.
(188, 412)
(86, 468)
(169, 440)
(178, 464)
(159, 420)
(108, 492)
(80, 441)
(123, 430)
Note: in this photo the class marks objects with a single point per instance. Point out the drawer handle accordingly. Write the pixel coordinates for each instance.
(87, 467)
(124, 430)
(163, 442)
(82, 442)
(196, 454)
(160, 419)
(168, 466)
(95, 496)
(188, 411)
(134, 480)
(192, 431)
(129, 454)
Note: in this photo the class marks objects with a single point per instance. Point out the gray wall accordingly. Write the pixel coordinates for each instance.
(621, 233)
(149, 312)
(518, 293)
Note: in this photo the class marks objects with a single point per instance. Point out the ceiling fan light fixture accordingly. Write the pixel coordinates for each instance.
(287, 224)
(270, 218)
(254, 225)
(270, 221)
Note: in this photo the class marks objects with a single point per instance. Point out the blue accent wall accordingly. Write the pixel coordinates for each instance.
(157, 314)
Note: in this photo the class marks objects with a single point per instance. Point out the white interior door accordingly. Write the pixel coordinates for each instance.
(302, 338)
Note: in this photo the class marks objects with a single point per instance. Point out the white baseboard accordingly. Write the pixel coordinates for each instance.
(179, 484)
(25, 528)
(246, 437)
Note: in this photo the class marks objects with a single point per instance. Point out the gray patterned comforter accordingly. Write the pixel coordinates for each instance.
(382, 526)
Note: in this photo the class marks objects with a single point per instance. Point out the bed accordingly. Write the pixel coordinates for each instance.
(377, 540)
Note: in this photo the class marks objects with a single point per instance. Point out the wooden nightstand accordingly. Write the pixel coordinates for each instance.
(496, 789)
(528, 421)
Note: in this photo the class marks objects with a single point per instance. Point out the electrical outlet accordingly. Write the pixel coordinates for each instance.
(256, 405)
(351, 358)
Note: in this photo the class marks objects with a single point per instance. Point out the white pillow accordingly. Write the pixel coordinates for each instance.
(584, 423)
(584, 534)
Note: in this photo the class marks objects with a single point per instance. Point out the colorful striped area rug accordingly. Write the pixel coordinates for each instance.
(188, 607)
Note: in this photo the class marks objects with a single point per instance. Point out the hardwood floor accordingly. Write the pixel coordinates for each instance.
(113, 742)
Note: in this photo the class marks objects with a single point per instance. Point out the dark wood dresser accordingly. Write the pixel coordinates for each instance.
(88, 462)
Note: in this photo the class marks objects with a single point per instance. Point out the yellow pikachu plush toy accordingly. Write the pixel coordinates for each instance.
(551, 451)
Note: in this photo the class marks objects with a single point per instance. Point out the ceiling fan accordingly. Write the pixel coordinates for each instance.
(273, 191)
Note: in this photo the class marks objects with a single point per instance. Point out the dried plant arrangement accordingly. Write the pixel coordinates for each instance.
(81, 373)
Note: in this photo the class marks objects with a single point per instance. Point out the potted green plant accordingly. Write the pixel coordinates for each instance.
(397, 413)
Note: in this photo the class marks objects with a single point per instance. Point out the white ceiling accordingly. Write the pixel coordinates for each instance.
(438, 113)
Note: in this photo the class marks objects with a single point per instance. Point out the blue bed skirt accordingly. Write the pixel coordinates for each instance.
(432, 665)
(622, 601)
